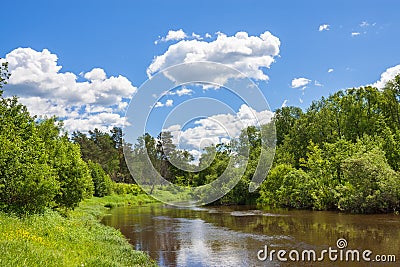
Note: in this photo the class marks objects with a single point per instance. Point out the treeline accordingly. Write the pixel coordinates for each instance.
(177, 167)
(40, 167)
(342, 153)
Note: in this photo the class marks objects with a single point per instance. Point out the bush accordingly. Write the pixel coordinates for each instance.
(370, 185)
(73, 175)
(272, 183)
(295, 190)
(27, 183)
(103, 185)
(122, 188)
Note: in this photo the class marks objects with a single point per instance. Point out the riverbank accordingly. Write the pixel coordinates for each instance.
(75, 238)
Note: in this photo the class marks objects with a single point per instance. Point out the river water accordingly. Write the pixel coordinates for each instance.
(234, 236)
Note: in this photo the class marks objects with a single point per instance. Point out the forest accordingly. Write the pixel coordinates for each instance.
(341, 153)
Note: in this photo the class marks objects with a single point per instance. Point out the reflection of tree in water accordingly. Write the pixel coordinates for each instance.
(237, 233)
(146, 233)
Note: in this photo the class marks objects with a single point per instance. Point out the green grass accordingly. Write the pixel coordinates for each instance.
(76, 238)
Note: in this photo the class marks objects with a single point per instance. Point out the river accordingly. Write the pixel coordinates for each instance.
(240, 236)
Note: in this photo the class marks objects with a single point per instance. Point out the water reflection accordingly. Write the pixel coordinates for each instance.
(232, 236)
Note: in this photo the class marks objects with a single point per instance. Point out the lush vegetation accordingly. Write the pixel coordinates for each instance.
(342, 153)
(75, 238)
(48, 216)
(40, 167)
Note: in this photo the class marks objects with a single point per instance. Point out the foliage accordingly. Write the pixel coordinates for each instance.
(106, 150)
(27, 183)
(342, 153)
(64, 157)
(370, 184)
(103, 186)
(122, 188)
(38, 166)
(272, 184)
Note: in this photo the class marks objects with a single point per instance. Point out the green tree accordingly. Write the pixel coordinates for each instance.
(27, 183)
(272, 183)
(100, 147)
(102, 182)
(370, 184)
(65, 158)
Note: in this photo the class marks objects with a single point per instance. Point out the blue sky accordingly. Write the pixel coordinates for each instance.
(118, 39)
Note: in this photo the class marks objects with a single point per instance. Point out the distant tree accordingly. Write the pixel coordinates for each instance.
(100, 147)
(102, 183)
(285, 119)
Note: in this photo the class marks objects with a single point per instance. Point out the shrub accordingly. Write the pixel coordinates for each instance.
(103, 185)
(123, 188)
(295, 190)
(371, 185)
(27, 183)
(272, 183)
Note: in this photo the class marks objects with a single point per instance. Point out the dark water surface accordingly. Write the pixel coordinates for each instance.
(232, 236)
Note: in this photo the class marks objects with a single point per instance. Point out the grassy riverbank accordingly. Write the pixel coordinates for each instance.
(76, 238)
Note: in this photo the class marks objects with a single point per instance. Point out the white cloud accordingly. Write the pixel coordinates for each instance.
(364, 24)
(323, 27)
(330, 70)
(37, 79)
(173, 36)
(196, 36)
(96, 74)
(158, 104)
(218, 128)
(248, 54)
(317, 83)
(386, 76)
(181, 92)
(355, 33)
(168, 103)
(300, 82)
(207, 35)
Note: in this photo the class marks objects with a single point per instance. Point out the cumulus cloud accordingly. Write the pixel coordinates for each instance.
(300, 82)
(182, 91)
(196, 36)
(323, 27)
(96, 102)
(173, 36)
(386, 76)
(330, 70)
(96, 74)
(355, 34)
(248, 54)
(168, 103)
(218, 128)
